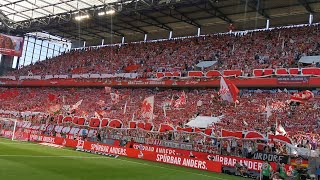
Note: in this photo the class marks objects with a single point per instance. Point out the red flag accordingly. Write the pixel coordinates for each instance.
(147, 108)
(182, 100)
(51, 97)
(228, 91)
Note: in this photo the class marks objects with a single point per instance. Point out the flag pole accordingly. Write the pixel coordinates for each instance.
(125, 108)
(267, 113)
(276, 126)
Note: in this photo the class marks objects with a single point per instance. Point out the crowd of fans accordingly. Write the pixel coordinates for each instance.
(247, 51)
(252, 50)
(302, 122)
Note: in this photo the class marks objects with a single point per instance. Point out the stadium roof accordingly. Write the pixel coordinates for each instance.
(135, 18)
(21, 10)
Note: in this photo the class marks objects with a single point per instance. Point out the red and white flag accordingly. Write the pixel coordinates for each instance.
(147, 108)
(228, 91)
(97, 115)
(107, 89)
(182, 100)
(76, 105)
(280, 130)
(115, 97)
(301, 97)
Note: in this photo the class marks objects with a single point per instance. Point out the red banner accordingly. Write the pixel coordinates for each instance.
(11, 45)
(162, 157)
(184, 161)
(239, 82)
(180, 157)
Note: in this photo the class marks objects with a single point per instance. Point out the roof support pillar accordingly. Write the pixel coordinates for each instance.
(268, 24)
(145, 37)
(310, 18)
(122, 41)
(170, 34)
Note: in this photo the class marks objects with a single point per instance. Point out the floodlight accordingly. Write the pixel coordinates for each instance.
(79, 18)
(101, 13)
(111, 11)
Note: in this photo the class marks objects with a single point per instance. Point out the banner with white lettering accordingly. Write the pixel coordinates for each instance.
(271, 157)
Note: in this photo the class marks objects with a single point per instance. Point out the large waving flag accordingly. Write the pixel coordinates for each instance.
(301, 97)
(228, 91)
(147, 108)
(182, 100)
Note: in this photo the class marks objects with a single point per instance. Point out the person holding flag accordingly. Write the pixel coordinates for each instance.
(282, 171)
(228, 91)
(266, 171)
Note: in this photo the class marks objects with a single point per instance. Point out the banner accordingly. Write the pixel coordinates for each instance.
(183, 161)
(180, 157)
(271, 157)
(189, 162)
(297, 80)
(251, 164)
(243, 82)
(11, 45)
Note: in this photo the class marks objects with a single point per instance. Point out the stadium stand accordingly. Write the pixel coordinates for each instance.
(246, 51)
(303, 119)
(274, 117)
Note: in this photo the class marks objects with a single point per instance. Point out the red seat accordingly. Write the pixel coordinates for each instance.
(213, 73)
(168, 74)
(258, 72)
(160, 74)
(176, 74)
(310, 71)
(195, 74)
(268, 72)
(281, 71)
(294, 71)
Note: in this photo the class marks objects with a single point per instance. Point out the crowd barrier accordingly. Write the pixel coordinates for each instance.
(160, 156)
(179, 157)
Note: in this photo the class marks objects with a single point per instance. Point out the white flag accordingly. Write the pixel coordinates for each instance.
(125, 108)
(245, 123)
(268, 109)
(280, 130)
